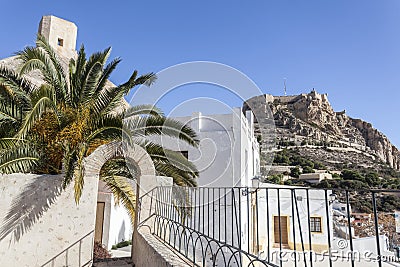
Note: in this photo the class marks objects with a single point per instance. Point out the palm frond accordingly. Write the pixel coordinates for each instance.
(109, 99)
(9, 142)
(59, 79)
(79, 172)
(69, 162)
(161, 154)
(92, 74)
(148, 126)
(34, 58)
(179, 176)
(144, 110)
(123, 192)
(43, 101)
(76, 69)
(18, 158)
(146, 79)
(119, 167)
(13, 86)
(8, 116)
(106, 73)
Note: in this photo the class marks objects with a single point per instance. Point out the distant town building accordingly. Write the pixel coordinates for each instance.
(341, 208)
(315, 178)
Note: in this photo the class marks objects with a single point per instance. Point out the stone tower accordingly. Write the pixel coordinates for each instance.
(61, 34)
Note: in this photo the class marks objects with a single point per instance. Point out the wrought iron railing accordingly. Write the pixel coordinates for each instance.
(73, 254)
(272, 226)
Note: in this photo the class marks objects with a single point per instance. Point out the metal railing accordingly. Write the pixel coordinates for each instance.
(63, 259)
(271, 226)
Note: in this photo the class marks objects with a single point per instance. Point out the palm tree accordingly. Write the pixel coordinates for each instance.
(16, 97)
(51, 128)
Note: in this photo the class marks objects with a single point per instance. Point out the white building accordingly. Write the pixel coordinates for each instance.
(294, 219)
(113, 223)
(315, 178)
(341, 207)
(228, 154)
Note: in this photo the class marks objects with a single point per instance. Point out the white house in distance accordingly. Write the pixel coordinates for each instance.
(341, 207)
(315, 178)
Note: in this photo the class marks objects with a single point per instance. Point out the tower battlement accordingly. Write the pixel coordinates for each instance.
(61, 34)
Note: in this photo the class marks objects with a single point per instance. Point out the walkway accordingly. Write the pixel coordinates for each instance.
(114, 262)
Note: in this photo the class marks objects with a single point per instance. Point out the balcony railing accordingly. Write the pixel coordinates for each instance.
(274, 226)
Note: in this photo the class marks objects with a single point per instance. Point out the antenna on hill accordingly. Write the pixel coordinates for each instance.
(284, 85)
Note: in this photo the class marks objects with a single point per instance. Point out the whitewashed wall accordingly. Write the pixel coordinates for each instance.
(228, 154)
(117, 224)
(63, 224)
(317, 208)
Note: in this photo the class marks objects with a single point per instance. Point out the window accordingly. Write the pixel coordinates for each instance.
(315, 223)
(60, 42)
(343, 208)
(185, 154)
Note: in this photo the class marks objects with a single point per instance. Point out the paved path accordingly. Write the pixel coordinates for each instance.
(124, 252)
(114, 262)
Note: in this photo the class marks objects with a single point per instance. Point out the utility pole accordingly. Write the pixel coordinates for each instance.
(284, 86)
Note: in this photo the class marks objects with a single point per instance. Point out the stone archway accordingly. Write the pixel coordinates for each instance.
(134, 154)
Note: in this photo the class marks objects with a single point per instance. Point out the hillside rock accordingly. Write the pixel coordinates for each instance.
(310, 119)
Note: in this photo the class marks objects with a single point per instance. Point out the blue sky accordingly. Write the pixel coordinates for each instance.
(348, 49)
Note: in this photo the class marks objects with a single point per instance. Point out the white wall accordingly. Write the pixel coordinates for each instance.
(117, 224)
(63, 224)
(54, 28)
(363, 247)
(225, 140)
(342, 207)
(317, 209)
(228, 156)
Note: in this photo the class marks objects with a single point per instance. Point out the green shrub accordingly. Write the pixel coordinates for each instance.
(308, 169)
(122, 244)
(295, 172)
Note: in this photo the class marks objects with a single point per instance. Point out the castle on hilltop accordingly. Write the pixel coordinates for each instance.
(313, 95)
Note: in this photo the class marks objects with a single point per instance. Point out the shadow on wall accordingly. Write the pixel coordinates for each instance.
(29, 206)
(121, 234)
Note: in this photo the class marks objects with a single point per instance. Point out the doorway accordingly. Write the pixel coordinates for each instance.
(98, 230)
(284, 230)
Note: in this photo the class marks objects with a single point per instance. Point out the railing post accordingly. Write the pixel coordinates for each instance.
(293, 227)
(280, 227)
(328, 227)
(378, 248)
(309, 227)
(349, 227)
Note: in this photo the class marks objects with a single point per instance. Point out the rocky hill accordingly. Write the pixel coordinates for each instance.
(308, 121)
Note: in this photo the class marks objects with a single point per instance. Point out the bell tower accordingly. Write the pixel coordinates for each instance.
(61, 34)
